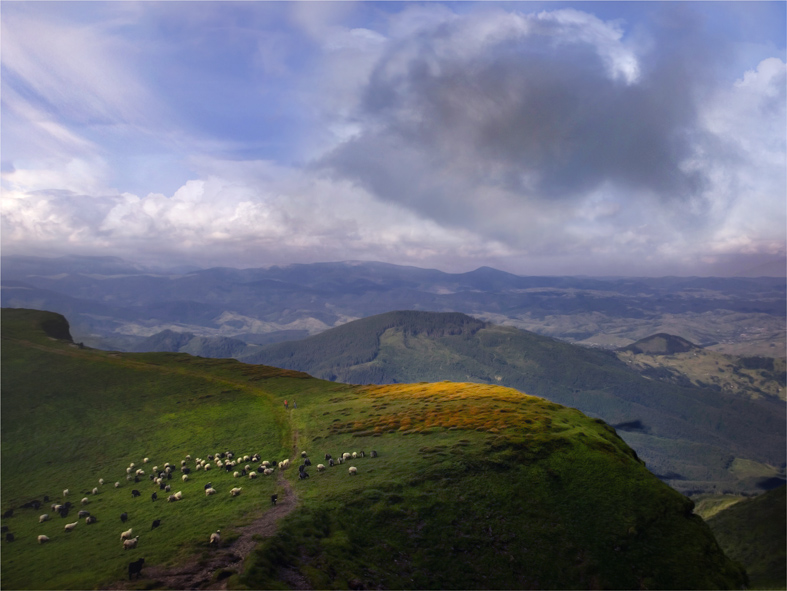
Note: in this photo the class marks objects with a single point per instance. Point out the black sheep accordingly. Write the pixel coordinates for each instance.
(135, 568)
(274, 498)
(327, 457)
(303, 475)
(302, 468)
(135, 493)
(9, 513)
(330, 462)
(9, 537)
(156, 523)
(3, 529)
(374, 454)
(64, 511)
(209, 485)
(123, 517)
(308, 462)
(153, 497)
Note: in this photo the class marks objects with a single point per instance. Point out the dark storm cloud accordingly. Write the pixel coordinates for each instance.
(537, 117)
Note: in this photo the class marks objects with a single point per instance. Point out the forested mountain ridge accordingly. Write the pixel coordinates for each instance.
(112, 304)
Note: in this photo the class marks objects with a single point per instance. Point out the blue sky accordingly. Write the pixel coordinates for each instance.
(637, 138)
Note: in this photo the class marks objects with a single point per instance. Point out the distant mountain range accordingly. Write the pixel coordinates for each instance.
(113, 304)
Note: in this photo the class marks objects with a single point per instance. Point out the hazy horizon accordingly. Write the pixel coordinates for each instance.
(538, 138)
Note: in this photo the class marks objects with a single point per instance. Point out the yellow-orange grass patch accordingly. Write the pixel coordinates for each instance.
(414, 408)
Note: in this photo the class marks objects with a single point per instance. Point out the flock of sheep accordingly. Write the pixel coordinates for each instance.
(159, 477)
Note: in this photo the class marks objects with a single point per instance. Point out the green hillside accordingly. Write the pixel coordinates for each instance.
(691, 436)
(475, 486)
(753, 532)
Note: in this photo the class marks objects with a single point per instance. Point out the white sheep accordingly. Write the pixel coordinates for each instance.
(43, 518)
(56, 508)
(320, 467)
(185, 477)
(215, 538)
(235, 474)
(179, 495)
(145, 460)
(128, 470)
(268, 471)
(117, 484)
(355, 455)
(101, 481)
(210, 491)
(154, 469)
(188, 457)
(353, 470)
(84, 501)
(42, 539)
(172, 498)
(126, 534)
(132, 465)
(65, 492)
(71, 526)
(206, 467)
(266, 463)
(90, 519)
(140, 472)
(346, 456)
(130, 544)
(236, 491)
(252, 475)
(246, 458)
(95, 490)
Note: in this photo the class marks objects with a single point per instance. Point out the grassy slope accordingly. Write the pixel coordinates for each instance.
(753, 531)
(523, 492)
(689, 435)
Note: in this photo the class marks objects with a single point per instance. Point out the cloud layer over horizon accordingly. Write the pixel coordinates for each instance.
(537, 138)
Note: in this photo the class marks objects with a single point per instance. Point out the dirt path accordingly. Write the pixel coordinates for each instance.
(197, 573)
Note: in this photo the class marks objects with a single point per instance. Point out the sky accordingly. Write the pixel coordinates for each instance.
(540, 138)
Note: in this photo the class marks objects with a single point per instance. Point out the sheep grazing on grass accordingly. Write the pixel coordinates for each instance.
(101, 481)
(185, 477)
(153, 497)
(274, 498)
(210, 491)
(353, 470)
(90, 519)
(172, 498)
(123, 517)
(135, 493)
(320, 467)
(145, 460)
(155, 524)
(95, 490)
(268, 471)
(42, 539)
(70, 526)
(235, 474)
(65, 492)
(328, 457)
(135, 568)
(179, 495)
(130, 544)
(303, 454)
(117, 485)
(252, 475)
(355, 455)
(307, 462)
(43, 518)
(126, 534)
(85, 501)
(206, 467)
(330, 462)
(236, 491)
(9, 537)
(346, 456)
(82, 514)
(373, 454)
(303, 475)
(215, 538)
